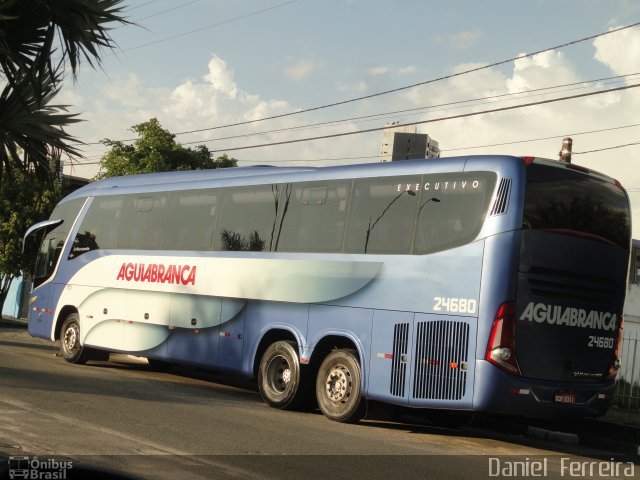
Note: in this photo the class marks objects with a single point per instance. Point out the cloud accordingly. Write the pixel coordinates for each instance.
(301, 70)
(462, 40)
(619, 51)
(220, 77)
(544, 69)
(407, 69)
(378, 71)
(359, 87)
(218, 98)
(193, 104)
(571, 117)
(385, 70)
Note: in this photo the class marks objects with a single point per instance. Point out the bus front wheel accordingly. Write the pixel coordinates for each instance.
(338, 387)
(280, 379)
(70, 347)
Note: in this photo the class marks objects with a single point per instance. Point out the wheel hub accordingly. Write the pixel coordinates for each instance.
(337, 385)
(279, 374)
(70, 339)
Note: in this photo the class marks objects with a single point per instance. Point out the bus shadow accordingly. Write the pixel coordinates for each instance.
(388, 417)
(10, 343)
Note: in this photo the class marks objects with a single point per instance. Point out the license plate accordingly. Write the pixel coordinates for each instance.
(565, 397)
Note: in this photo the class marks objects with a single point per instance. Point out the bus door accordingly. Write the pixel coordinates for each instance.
(231, 334)
(194, 327)
(50, 241)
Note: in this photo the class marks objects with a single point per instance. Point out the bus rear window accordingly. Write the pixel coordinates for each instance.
(575, 203)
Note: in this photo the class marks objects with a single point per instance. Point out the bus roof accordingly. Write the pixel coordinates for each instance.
(235, 176)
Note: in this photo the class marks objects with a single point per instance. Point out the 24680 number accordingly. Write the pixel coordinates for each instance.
(600, 342)
(454, 305)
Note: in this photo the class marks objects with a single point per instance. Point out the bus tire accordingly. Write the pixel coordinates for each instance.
(280, 378)
(339, 385)
(70, 347)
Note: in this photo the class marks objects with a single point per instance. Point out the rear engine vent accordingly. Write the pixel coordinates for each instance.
(441, 360)
(399, 363)
(502, 197)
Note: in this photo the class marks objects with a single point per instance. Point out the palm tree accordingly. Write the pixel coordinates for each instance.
(38, 40)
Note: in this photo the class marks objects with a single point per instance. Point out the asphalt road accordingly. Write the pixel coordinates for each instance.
(123, 417)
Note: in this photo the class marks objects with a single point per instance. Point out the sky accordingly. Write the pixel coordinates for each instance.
(205, 64)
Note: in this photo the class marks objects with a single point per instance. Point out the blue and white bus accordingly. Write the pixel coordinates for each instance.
(482, 283)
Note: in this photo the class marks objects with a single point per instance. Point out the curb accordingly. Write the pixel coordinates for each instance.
(603, 439)
(561, 437)
(13, 322)
(617, 446)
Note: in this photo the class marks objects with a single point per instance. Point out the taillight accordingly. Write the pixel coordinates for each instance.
(617, 352)
(528, 160)
(578, 168)
(501, 348)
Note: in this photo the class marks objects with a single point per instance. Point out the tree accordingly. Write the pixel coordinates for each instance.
(39, 39)
(156, 150)
(23, 202)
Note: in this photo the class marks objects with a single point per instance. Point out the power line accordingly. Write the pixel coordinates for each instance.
(411, 111)
(574, 134)
(396, 112)
(340, 159)
(422, 122)
(165, 11)
(366, 97)
(607, 148)
(406, 87)
(223, 22)
(142, 5)
(472, 147)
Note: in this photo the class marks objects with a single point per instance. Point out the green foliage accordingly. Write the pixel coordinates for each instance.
(24, 200)
(31, 128)
(156, 150)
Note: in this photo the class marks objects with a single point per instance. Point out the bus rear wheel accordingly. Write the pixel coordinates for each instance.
(70, 347)
(280, 378)
(338, 387)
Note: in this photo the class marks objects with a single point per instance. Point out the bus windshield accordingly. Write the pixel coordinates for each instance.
(569, 202)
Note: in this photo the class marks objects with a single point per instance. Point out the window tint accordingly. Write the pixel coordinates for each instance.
(452, 209)
(390, 215)
(142, 224)
(99, 227)
(247, 218)
(190, 220)
(563, 199)
(53, 242)
(313, 217)
(382, 215)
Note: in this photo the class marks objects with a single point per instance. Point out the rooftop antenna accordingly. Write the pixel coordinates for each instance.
(565, 153)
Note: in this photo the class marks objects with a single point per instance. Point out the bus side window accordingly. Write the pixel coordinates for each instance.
(142, 223)
(99, 228)
(454, 210)
(382, 215)
(313, 217)
(191, 218)
(247, 218)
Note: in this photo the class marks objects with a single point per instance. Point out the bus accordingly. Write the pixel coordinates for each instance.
(473, 284)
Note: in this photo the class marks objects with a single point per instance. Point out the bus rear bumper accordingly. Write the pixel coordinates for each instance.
(40, 327)
(499, 392)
